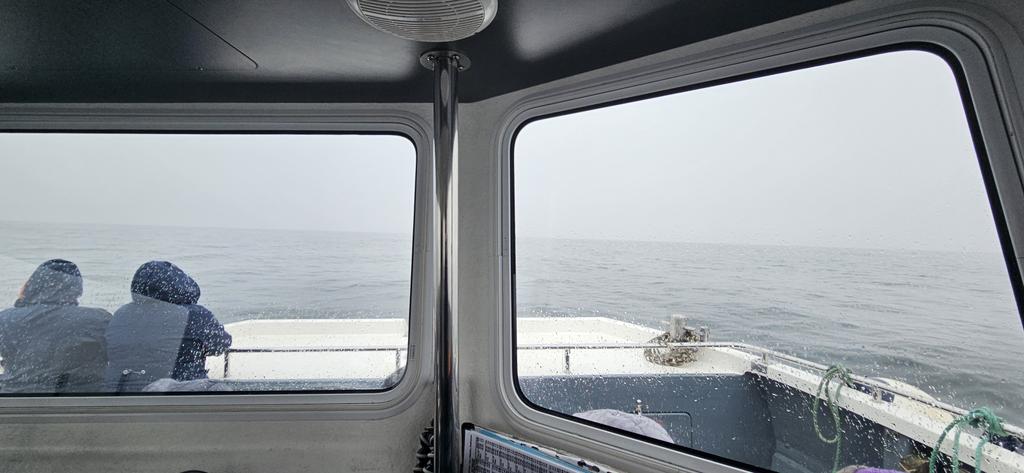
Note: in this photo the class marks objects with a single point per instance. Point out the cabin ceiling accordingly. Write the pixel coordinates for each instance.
(320, 51)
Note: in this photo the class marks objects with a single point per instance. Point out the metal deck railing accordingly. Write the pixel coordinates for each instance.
(354, 349)
(763, 355)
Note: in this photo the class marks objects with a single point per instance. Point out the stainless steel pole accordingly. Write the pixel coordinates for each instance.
(447, 431)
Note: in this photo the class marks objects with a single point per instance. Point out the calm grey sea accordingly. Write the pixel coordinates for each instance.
(945, 322)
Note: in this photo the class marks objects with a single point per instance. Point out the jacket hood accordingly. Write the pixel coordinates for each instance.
(163, 281)
(56, 282)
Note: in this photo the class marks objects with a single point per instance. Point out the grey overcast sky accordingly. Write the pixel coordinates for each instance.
(359, 183)
(871, 153)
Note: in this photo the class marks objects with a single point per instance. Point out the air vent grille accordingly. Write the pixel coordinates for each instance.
(433, 21)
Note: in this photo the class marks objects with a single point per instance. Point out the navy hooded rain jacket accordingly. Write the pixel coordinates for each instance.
(163, 332)
(48, 343)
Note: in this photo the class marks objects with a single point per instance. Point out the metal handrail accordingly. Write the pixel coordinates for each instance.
(397, 349)
(766, 355)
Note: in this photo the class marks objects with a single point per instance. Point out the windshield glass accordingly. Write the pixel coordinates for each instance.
(204, 262)
(834, 216)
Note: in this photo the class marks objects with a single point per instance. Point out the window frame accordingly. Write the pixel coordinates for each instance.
(957, 39)
(259, 119)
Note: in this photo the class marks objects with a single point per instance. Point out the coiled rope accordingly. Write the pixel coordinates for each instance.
(841, 375)
(981, 418)
(425, 454)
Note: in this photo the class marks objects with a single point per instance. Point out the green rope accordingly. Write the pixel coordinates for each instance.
(981, 418)
(842, 375)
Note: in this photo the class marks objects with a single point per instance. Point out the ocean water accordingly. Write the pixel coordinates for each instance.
(945, 322)
(243, 274)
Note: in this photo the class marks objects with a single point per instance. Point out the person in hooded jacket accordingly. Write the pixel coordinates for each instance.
(49, 344)
(163, 333)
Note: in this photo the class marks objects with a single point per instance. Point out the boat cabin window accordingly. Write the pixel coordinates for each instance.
(136, 263)
(697, 268)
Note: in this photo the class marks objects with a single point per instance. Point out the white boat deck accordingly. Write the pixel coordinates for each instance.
(567, 346)
(375, 348)
(313, 349)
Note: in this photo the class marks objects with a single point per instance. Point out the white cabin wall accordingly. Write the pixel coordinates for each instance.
(481, 253)
(238, 439)
(87, 444)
